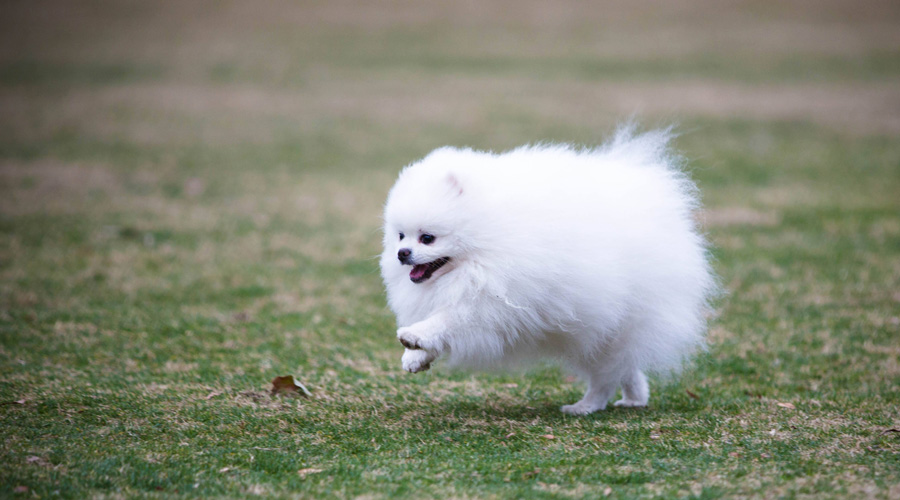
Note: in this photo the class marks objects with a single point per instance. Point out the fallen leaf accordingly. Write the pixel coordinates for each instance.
(548, 436)
(306, 472)
(213, 394)
(32, 459)
(21, 489)
(787, 405)
(17, 402)
(511, 434)
(531, 474)
(654, 436)
(691, 394)
(607, 492)
(286, 385)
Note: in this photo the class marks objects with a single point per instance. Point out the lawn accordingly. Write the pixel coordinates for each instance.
(190, 198)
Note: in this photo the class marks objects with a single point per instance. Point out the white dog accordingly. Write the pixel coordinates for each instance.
(591, 257)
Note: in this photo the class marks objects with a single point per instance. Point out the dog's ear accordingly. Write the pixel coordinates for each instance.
(455, 185)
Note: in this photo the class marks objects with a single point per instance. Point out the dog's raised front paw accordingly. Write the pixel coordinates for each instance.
(416, 360)
(409, 339)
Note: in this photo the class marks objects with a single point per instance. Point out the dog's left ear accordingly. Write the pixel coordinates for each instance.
(455, 185)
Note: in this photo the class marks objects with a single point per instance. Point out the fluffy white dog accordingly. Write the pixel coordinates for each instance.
(591, 257)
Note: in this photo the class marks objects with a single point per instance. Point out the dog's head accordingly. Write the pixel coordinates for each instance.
(425, 219)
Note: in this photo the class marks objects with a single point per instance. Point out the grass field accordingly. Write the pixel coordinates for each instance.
(190, 199)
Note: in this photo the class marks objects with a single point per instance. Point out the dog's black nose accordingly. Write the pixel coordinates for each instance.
(404, 254)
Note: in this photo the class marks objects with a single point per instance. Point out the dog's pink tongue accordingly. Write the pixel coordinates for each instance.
(418, 271)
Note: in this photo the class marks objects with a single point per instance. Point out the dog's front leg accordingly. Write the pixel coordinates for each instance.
(424, 342)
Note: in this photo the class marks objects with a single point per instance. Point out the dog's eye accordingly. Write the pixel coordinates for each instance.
(402, 236)
(426, 239)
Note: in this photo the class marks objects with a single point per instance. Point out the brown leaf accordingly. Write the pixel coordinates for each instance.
(287, 386)
(789, 406)
(306, 472)
(691, 394)
(531, 474)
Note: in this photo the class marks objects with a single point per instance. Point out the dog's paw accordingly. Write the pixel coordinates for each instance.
(630, 403)
(409, 339)
(581, 408)
(416, 360)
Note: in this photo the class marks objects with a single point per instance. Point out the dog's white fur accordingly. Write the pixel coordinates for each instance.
(591, 257)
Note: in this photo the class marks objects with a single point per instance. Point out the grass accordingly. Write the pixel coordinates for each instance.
(189, 207)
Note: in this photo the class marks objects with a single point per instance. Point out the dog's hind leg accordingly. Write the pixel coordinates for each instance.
(601, 387)
(635, 390)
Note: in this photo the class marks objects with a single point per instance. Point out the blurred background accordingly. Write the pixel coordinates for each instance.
(338, 82)
(334, 85)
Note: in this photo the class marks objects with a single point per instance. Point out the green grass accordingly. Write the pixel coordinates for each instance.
(190, 207)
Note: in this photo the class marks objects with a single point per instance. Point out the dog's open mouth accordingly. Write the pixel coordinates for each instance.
(422, 272)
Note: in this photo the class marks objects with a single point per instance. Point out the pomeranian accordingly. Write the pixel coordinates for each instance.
(591, 257)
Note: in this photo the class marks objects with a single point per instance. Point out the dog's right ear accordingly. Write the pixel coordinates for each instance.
(455, 185)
